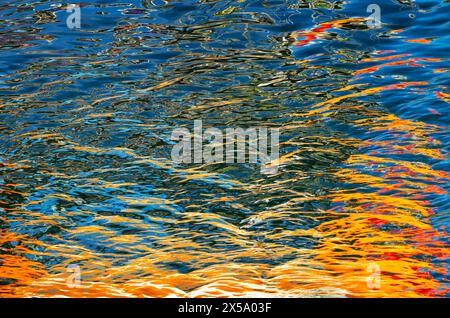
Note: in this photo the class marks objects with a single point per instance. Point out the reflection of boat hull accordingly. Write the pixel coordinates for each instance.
(304, 37)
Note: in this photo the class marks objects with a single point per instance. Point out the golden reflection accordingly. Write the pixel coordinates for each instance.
(380, 220)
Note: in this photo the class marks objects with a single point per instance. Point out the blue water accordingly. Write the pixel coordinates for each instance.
(86, 175)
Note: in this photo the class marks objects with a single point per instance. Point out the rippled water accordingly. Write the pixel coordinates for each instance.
(87, 179)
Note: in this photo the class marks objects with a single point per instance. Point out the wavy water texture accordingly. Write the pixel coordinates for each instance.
(87, 180)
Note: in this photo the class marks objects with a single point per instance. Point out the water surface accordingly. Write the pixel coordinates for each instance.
(86, 177)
